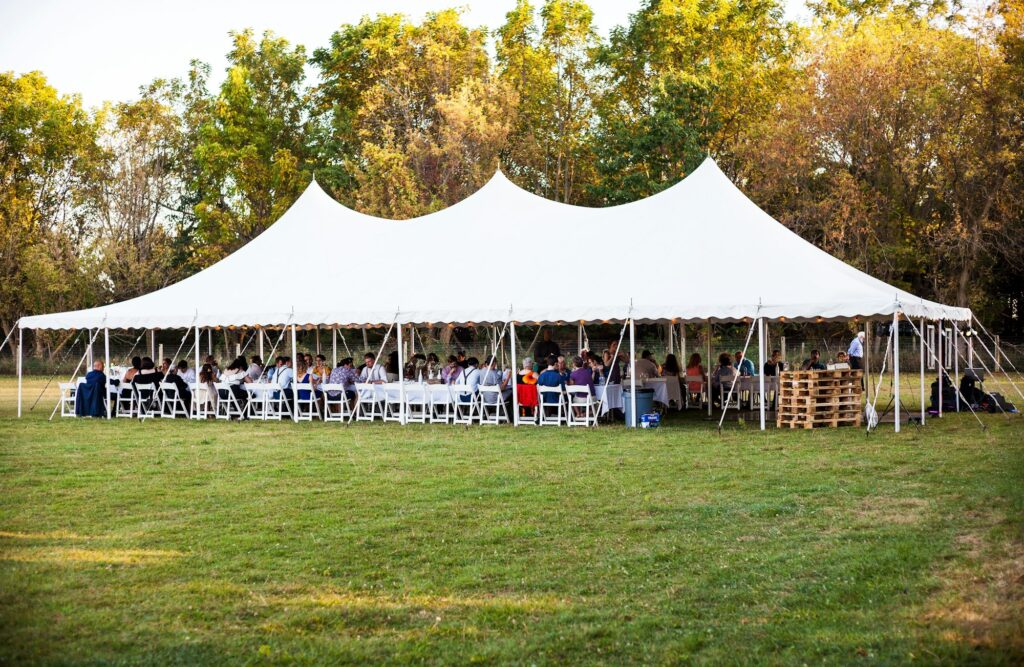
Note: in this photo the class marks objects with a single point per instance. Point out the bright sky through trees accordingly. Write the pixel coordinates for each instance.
(106, 49)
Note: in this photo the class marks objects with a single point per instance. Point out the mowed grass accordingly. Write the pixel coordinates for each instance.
(216, 543)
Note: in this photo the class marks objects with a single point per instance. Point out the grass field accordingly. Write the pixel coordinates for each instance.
(214, 543)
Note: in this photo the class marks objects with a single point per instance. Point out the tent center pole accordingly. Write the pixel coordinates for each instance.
(921, 380)
(20, 363)
(515, 376)
(760, 361)
(632, 372)
(295, 378)
(401, 373)
(197, 368)
(896, 366)
(707, 368)
(106, 368)
(956, 363)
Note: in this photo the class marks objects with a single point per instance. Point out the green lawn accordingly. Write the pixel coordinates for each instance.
(214, 543)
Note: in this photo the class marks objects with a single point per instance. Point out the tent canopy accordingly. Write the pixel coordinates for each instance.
(504, 253)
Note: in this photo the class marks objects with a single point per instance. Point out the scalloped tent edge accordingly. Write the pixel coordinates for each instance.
(698, 251)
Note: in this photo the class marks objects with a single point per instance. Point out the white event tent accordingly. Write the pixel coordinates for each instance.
(405, 272)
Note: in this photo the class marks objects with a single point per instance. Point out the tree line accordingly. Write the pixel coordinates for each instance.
(888, 132)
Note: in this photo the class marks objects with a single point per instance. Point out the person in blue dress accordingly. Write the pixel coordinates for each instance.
(92, 394)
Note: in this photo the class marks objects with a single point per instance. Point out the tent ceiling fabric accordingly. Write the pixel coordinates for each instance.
(505, 251)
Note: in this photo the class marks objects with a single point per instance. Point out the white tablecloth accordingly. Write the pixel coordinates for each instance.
(660, 387)
(612, 395)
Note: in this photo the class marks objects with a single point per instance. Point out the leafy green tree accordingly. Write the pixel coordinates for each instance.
(252, 151)
(547, 59)
(49, 153)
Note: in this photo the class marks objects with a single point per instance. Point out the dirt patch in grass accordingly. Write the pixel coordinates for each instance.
(981, 599)
(892, 510)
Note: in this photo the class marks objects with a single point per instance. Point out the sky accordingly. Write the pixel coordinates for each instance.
(105, 49)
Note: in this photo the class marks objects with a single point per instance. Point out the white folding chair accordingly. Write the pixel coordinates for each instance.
(725, 383)
(491, 408)
(442, 406)
(417, 403)
(145, 401)
(551, 413)
(308, 407)
(695, 399)
(580, 400)
(228, 406)
(392, 402)
(369, 404)
(172, 405)
(125, 400)
(68, 393)
(465, 403)
(201, 409)
(276, 407)
(336, 407)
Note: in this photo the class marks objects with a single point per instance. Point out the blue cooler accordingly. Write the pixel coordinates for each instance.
(644, 403)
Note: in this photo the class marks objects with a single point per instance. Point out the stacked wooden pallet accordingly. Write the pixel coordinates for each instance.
(813, 399)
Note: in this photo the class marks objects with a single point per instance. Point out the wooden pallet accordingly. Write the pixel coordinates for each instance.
(815, 399)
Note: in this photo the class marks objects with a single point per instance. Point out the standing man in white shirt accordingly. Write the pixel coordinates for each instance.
(856, 351)
(373, 372)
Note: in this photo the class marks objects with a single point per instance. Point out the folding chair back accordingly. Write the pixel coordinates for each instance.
(581, 409)
(551, 402)
(146, 400)
(173, 404)
(392, 402)
(306, 404)
(228, 406)
(442, 405)
(125, 400)
(68, 393)
(336, 405)
(369, 404)
(491, 409)
(694, 398)
(465, 402)
(417, 403)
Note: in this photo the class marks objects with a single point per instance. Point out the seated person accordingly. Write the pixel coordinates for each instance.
(255, 369)
(526, 388)
(813, 363)
(213, 364)
(695, 368)
(491, 376)
(130, 373)
(91, 396)
(234, 377)
(775, 365)
(581, 375)
(306, 376)
(451, 370)
(842, 362)
(188, 375)
(469, 376)
(146, 382)
(433, 368)
(743, 365)
(562, 369)
(184, 388)
(671, 368)
(724, 370)
(271, 373)
(320, 370)
(206, 394)
(284, 378)
(345, 375)
(372, 373)
(551, 378)
(645, 366)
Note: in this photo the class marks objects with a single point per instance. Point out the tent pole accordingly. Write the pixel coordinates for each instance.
(259, 333)
(956, 363)
(106, 368)
(334, 346)
(318, 339)
(209, 342)
(940, 362)
(760, 361)
(515, 375)
(867, 360)
(682, 344)
(195, 391)
(152, 344)
(579, 337)
(366, 340)
(295, 368)
(896, 365)
(707, 368)
(20, 354)
(88, 351)
(921, 381)
(401, 372)
(632, 372)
